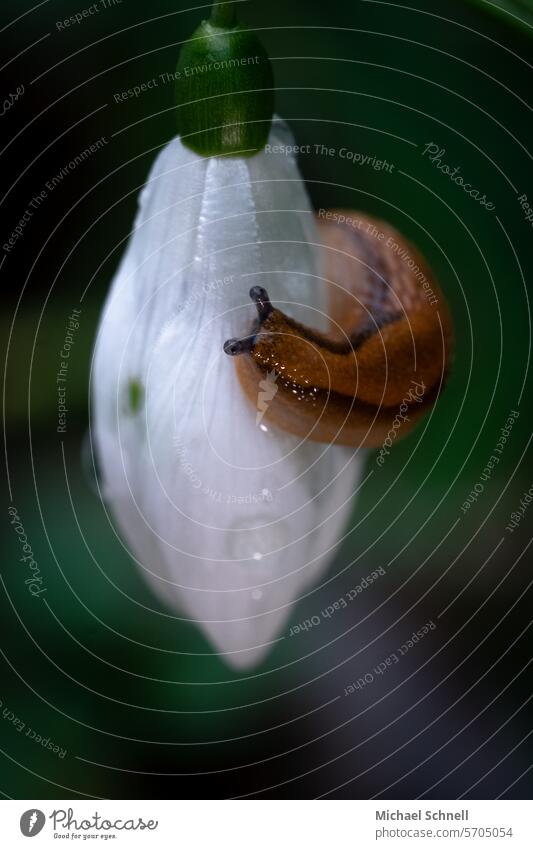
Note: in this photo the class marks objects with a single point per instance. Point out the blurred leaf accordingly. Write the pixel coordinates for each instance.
(516, 12)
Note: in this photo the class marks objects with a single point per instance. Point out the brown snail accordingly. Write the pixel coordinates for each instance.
(388, 348)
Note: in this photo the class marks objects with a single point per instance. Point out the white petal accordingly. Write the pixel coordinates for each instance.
(231, 521)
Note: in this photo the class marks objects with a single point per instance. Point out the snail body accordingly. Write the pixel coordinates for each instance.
(386, 353)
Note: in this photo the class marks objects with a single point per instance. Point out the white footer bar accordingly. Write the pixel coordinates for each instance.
(268, 824)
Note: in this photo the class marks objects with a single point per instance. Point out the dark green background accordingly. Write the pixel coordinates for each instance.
(140, 693)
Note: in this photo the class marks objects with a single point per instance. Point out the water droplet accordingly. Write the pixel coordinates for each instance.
(257, 595)
(252, 539)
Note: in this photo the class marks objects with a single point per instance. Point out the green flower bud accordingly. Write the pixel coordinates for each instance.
(224, 91)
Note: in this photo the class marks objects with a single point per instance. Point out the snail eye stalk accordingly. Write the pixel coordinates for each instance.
(260, 297)
(234, 347)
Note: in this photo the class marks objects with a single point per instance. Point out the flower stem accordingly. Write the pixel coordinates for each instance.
(223, 14)
(228, 112)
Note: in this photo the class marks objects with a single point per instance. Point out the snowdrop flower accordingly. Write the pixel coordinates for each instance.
(230, 518)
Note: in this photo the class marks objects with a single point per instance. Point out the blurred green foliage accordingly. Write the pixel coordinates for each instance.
(377, 78)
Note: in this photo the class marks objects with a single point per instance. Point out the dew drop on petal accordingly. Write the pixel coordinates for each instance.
(255, 537)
